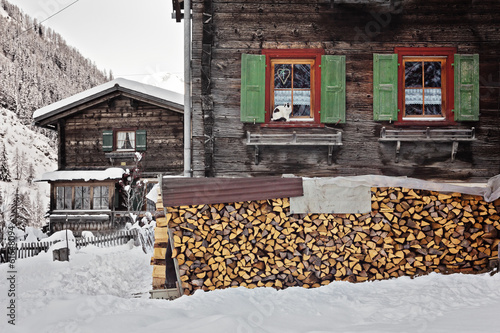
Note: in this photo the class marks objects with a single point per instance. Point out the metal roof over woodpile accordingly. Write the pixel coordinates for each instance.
(199, 191)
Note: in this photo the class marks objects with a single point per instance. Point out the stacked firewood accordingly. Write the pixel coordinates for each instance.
(259, 243)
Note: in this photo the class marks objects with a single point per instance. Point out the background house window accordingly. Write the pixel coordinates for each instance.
(101, 197)
(82, 197)
(125, 140)
(306, 85)
(64, 197)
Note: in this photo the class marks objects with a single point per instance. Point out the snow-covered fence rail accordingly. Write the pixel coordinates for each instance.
(26, 250)
(119, 238)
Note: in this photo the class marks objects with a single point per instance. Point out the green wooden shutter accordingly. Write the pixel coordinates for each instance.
(332, 89)
(466, 87)
(385, 87)
(140, 140)
(253, 84)
(107, 140)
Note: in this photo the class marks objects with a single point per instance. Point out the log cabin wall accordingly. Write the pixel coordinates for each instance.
(83, 136)
(224, 30)
(259, 243)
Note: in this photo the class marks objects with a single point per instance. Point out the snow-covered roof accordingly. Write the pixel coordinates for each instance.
(85, 175)
(156, 94)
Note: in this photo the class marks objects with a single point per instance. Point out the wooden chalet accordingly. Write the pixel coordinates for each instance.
(346, 87)
(368, 89)
(100, 132)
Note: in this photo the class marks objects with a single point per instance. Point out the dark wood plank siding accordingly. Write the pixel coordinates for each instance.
(248, 26)
(164, 128)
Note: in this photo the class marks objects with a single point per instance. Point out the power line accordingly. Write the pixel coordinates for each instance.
(51, 16)
(140, 74)
(48, 18)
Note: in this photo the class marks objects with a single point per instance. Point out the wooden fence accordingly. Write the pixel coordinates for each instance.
(146, 239)
(119, 238)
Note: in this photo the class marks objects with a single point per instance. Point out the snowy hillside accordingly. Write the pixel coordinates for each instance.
(37, 67)
(106, 290)
(27, 153)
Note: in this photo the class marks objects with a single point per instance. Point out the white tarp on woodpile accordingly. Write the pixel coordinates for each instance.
(343, 195)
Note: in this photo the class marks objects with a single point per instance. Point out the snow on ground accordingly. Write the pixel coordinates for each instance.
(106, 290)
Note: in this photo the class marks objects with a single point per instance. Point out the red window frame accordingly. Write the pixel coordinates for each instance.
(449, 102)
(316, 94)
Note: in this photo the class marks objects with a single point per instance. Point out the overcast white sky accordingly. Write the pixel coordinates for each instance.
(132, 38)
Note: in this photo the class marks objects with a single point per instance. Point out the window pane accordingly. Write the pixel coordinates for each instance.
(105, 197)
(78, 197)
(432, 96)
(301, 110)
(104, 191)
(105, 202)
(282, 97)
(432, 110)
(96, 202)
(101, 200)
(67, 197)
(432, 99)
(432, 76)
(301, 103)
(60, 197)
(414, 96)
(97, 191)
(86, 197)
(82, 197)
(413, 109)
(413, 74)
(282, 76)
(301, 76)
(413, 102)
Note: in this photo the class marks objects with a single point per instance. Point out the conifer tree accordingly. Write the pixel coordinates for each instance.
(2, 220)
(31, 173)
(4, 166)
(38, 211)
(17, 165)
(19, 214)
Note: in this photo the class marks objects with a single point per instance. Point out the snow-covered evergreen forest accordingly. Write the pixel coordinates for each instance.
(37, 68)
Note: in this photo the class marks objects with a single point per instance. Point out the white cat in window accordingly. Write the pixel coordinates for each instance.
(282, 112)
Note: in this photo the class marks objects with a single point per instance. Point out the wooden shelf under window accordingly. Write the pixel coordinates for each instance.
(294, 139)
(120, 155)
(428, 135)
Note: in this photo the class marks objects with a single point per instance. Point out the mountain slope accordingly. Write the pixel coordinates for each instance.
(29, 155)
(37, 68)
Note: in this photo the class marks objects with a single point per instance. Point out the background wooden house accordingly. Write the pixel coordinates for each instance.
(101, 130)
(398, 88)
